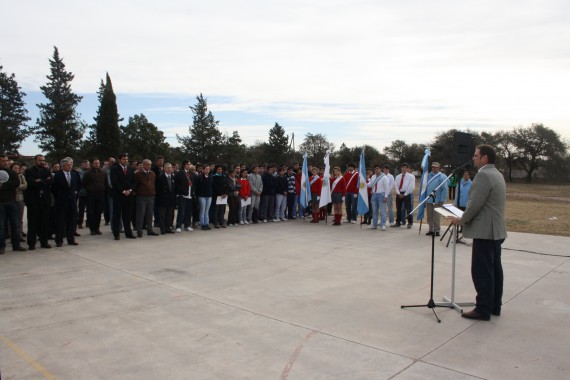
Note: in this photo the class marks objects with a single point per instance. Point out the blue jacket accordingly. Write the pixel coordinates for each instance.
(464, 188)
(434, 180)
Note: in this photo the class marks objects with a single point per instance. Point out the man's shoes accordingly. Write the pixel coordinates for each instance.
(179, 230)
(19, 249)
(131, 237)
(59, 245)
(93, 233)
(496, 312)
(73, 243)
(46, 246)
(31, 248)
(98, 232)
(76, 234)
(353, 222)
(409, 227)
(139, 234)
(372, 227)
(22, 240)
(437, 234)
(189, 229)
(474, 315)
(152, 233)
(430, 233)
(117, 237)
(80, 225)
(395, 225)
(383, 228)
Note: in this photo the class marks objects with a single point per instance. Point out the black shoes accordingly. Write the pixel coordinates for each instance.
(474, 315)
(430, 233)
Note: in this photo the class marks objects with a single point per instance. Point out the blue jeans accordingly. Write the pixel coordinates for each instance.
(377, 201)
(351, 203)
(280, 204)
(205, 203)
(389, 208)
(9, 212)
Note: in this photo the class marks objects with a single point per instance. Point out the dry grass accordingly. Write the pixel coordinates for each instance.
(538, 208)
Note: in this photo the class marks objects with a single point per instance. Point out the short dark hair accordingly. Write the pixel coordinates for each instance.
(123, 155)
(489, 151)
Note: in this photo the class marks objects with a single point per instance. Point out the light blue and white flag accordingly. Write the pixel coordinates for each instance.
(423, 184)
(305, 189)
(362, 204)
(326, 189)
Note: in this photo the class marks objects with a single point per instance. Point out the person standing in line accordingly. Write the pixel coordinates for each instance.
(390, 201)
(204, 193)
(484, 222)
(20, 198)
(94, 181)
(8, 207)
(316, 185)
(244, 195)
(166, 195)
(256, 186)
(82, 196)
(351, 199)
(184, 194)
(220, 189)
(464, 188)
(65, 189)
(405, 183)
(280, 196)
(234, 203)
(338, 192)
(146, 193)
(267, 204)
(379, 186)
(38, 202)
(123, 184)
(436, 180)
(290, 177)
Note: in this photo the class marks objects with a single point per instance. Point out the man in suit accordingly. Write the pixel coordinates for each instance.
(123, 184)
(66, 186)
(146, 192)
(37, 197)
(484, 222)
(166, 193)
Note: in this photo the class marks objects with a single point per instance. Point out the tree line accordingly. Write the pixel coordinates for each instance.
(59, 131)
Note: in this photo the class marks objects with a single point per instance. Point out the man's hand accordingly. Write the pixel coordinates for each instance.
(454, 220)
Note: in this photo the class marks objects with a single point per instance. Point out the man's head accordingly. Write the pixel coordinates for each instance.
(146, 165)
(243, 173)
(66, 164)
(123, 159)
(435, 167)
(168, 168)
(350, 166)
(159, 161)
(186, 164)
(377, 169)
(85, 164)
(55, 167)
(466, 175)
(386, 169)
(95, 163)
(484, 154)
(314, 170)
(336, 171)
(3, 161)
(40, 161)
(404, 168)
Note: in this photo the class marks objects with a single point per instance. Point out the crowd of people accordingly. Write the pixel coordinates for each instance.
(163, 198)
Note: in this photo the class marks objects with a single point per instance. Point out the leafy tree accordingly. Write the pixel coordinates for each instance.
(13, 114)
(59, 128)
(278, 145)
(105, 135)
(507, 151)
(316, 147)
(344, 156)
(536, 145)
(400, 152)
(396, 151)
(233, 151)
(205, 140)
(142, 139)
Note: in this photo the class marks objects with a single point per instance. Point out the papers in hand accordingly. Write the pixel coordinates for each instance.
(221, 200)
(449, 210)
(245, 202)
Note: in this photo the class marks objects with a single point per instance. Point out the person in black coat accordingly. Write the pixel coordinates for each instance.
(166, 195)
(220, 189)
(123, 183)
(66, 186)
(37, 198)
(184, 194)
(267, 206)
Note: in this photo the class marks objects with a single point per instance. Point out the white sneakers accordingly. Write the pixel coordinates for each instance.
(383, 228)
(178, 230)
(189, 229)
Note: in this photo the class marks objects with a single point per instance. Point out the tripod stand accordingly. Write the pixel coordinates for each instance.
(431, 303)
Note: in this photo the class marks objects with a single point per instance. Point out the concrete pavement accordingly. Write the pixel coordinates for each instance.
(289, 300)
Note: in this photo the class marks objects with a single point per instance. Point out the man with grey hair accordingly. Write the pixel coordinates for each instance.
(66, 186)
(146, 191)
(8, 207)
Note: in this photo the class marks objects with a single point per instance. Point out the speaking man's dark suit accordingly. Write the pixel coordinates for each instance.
(122, 180)
(65, 204)
(37, 197)
(484, 222)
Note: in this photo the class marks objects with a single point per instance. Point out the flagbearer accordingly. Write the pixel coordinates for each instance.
(338, 192)
(316, 183)
(435, 179)
(323, 209)
(351, 199)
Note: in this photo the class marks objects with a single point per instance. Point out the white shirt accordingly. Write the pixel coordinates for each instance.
(382, 186)
(408, 186)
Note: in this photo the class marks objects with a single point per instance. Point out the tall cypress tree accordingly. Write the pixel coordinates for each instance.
(59, 128)
(106, 134)
(278, 145)
(205, 141)
(13, 114)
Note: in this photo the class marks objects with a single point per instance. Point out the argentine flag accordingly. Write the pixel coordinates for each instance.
(305, 190)
(362, 204)
(423, 183)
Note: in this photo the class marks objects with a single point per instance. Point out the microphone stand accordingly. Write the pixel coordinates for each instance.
(431, 303)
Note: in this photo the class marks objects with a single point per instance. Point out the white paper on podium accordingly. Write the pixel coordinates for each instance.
(221, 201)
(246, 202)
(454, 210)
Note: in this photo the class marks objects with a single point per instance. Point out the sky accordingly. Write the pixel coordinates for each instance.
(359, 71)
